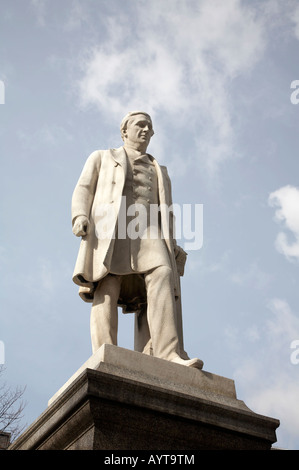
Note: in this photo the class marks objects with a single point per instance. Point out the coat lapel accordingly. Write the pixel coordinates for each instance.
(162, 184)
(120, 158)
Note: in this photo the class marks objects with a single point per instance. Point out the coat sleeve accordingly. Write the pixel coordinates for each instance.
(84, 191)
(168, 198)
(179, 253)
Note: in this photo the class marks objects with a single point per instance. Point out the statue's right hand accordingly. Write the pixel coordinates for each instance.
(81, 226)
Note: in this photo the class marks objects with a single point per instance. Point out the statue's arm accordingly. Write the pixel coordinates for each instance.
(168, 189)
(180, 254)
(83, 194)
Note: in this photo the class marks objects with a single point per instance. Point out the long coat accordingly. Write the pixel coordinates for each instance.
(101, 183)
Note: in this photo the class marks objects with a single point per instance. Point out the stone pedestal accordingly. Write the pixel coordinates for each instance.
(126, 400)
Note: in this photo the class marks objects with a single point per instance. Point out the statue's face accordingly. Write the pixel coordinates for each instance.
(139, 130)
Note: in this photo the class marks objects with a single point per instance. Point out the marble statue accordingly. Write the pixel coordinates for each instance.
(126, 260)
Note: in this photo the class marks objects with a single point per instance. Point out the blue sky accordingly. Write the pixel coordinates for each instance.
(216, 78)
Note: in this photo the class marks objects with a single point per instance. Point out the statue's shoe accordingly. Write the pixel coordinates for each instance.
(196, 363)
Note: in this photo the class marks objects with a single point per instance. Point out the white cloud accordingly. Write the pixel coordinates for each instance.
(221, 265)
(251, 276)
(287, 213)
(48, 134)
(179, 65)
(43, 279)
(254, 276)
(280, 401)
(40, 280)
(77, 16)
(266, 375)
(39, 7)
(284, 324)
(294, 16)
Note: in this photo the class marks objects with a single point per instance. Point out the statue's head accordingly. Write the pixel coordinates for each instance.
(137, 128)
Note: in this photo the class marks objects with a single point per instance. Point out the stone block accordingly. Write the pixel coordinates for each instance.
(125, 400)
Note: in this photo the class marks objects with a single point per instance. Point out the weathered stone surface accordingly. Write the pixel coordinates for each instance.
(151, 405)
(154, 371)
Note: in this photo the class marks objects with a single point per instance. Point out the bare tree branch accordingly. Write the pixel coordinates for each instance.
(11, 408)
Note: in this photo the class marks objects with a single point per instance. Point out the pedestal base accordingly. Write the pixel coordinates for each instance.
(126, 400)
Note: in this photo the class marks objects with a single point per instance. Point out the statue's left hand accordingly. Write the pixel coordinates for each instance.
(180, 257)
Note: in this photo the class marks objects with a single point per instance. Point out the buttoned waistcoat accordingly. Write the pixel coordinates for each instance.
(101, 184)
(139, 246)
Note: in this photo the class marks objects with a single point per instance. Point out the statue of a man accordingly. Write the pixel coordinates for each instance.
(114, 266)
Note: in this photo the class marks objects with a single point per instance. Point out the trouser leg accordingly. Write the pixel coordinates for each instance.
(104, 315)
(161, 313)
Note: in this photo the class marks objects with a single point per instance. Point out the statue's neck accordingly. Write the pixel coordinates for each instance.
(135, 151)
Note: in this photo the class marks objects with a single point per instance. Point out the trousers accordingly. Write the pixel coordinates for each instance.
(160, 312)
